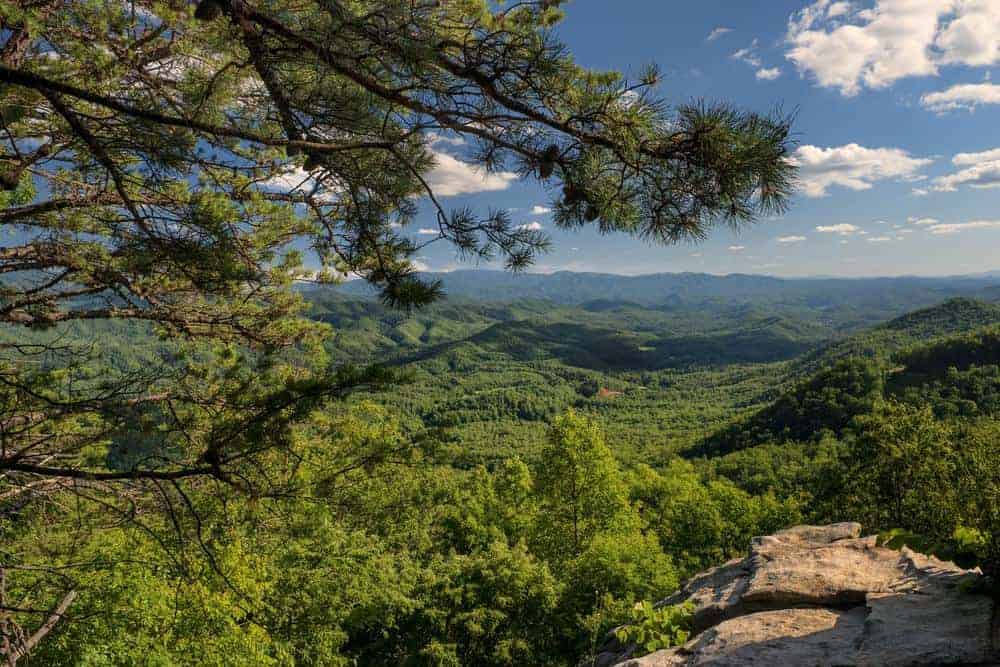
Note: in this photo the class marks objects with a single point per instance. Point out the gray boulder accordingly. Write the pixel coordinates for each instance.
(824, 595)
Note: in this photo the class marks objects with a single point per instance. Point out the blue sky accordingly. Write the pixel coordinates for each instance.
(897, 128)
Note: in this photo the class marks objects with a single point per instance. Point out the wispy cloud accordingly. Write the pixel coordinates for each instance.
(749, 54)
(790, 239)
(717, 33)
(843, 229)
(956, 227)
(962, 96)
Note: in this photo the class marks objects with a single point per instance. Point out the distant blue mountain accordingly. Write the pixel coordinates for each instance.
(680, 289)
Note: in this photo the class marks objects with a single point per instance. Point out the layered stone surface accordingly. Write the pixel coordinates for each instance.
(824, 595)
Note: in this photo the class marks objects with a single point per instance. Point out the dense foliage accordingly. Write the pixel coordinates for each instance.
(503, 508)
(204, 463)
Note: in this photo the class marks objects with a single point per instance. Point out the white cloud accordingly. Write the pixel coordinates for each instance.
(879, 239)
(956, 227)
(533, 226)
(843, 229)
(737, 248)
(962, 96)
(298, 180)
(540, 210)
(837, 9)
(295, 178)
(982, 171)
(982, 176)
(922, 221)
(717, 33)
(963, 159)
(749, 54)
(852, 166)
(920, 192)
(790, 239)
(768, 73)
(427, 231)
(451, 176)
(890, 40)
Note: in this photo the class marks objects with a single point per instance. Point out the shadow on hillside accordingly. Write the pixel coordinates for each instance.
(603, 349)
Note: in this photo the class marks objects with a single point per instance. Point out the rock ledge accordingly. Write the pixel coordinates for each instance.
(824, 595)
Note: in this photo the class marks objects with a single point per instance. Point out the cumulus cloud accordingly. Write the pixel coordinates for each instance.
(737, 248)
(922, 221)
(962, 96)
(963, 159)
(981, 176)
(843, 229)
(533, 226)
(768, 73)
(852, 166)
(717, 33)
(790, 239)
(540, 210)
(295, 179)
(879, 239)
(888, 40)
(956, 227)
(451, 176)
(982, 171)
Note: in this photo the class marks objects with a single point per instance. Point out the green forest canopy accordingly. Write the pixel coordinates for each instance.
(148, 172)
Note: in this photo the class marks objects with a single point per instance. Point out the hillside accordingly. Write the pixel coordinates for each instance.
(706, 379)
(946, 357)
(954, 316)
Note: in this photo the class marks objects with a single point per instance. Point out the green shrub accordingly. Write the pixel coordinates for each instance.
(653, 628)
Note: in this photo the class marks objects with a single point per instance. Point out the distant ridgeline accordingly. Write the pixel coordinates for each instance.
(669, 289)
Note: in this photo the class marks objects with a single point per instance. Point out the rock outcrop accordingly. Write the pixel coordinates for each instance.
(824, 595)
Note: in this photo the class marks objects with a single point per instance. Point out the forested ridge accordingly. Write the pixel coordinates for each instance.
(468, 541)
